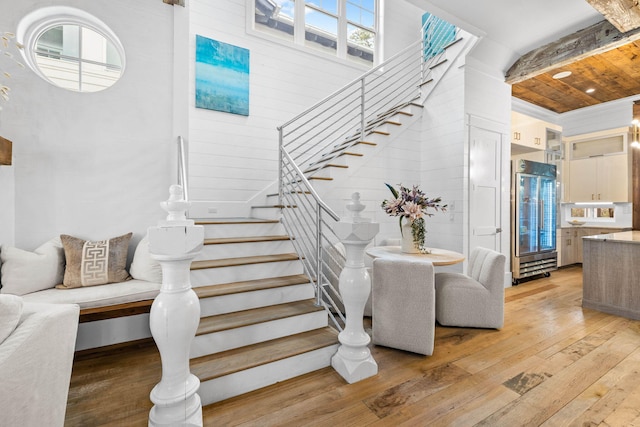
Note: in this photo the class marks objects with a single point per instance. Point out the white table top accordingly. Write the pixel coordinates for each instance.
(437, 256)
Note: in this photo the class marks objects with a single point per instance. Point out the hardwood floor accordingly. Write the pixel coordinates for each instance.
(553, 364)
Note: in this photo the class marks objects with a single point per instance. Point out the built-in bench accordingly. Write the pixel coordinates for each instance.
(110, 313)
(104, 301)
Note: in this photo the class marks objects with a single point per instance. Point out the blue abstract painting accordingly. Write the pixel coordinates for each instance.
(222, 76)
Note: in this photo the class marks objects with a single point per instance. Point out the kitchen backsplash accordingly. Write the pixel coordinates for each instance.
(610, 214)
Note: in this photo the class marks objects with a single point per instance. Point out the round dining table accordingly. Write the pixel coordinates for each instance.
(438, 257)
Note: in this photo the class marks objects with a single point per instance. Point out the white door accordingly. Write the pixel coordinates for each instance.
(485, 198)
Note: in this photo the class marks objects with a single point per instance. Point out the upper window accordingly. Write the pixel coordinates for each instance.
(344, 28)
(71, 49)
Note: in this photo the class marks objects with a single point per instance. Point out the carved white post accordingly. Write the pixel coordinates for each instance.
(175, 315)
(353, 360)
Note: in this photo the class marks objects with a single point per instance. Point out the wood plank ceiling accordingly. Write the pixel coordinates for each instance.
(603, 61)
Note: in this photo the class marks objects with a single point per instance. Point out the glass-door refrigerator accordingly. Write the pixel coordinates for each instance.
(533, 219)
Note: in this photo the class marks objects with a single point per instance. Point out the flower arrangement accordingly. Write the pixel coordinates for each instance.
(6, 42)
(414, 205)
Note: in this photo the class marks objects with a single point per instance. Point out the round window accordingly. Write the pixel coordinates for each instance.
(71, 49)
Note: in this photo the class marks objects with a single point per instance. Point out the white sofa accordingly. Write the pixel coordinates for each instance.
(35, 361)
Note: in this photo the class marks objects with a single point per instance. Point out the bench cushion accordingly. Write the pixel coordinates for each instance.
(98, 296)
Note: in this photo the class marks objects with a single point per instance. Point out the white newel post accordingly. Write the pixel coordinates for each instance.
(175, 315)
(354, 360)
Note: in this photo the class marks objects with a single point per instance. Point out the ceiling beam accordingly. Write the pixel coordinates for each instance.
(623, 14)
(589, 41)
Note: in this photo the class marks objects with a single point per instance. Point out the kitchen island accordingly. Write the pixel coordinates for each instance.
(611, 273)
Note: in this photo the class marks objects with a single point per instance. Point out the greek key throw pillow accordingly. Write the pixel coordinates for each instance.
(94, 263)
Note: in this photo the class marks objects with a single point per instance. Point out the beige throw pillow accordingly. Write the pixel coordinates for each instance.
(94, 263)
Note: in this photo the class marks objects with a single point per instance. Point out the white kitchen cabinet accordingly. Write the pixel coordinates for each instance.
(528, 132)
(600, 179)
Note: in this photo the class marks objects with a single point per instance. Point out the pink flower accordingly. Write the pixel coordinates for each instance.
(412, 210)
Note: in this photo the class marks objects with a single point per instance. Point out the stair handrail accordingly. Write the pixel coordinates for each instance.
(345, 118)
(307, 220)
(183, 175)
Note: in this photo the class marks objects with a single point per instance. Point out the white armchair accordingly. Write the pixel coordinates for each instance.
(476, 299)
(35, 361)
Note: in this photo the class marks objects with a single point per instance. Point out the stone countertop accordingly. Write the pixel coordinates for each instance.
(592, 225)
(623, 237)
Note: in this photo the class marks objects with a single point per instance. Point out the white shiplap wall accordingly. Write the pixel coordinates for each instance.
(234, 157)
(444, 171)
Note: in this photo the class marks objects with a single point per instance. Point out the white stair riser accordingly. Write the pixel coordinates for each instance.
(236, 250)
(266, 213)
(242, 382)
(242, 230)
(248, 300)
(216, 276)
(216, 342)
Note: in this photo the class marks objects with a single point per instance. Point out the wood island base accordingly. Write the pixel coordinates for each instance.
(611, 273)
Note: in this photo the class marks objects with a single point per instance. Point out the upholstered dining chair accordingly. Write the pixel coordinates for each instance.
(403, 304)
(475, 299)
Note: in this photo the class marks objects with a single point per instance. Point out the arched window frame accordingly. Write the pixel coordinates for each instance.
(36, 23)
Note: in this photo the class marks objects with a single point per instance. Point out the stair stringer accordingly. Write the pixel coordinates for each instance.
(452, 54)
(448, 59)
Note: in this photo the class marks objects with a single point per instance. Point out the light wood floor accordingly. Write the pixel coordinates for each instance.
(553, 364)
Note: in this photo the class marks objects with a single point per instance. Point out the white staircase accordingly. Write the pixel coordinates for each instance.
(259, 320)
(259, 324)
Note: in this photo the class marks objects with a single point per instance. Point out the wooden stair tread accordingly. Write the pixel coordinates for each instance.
(437, 64)
(239, 319)
(330, 165)
(236, 360)
(328, 158)
(249, 285)
(232, 262)
(273, 206)
(251, 239)
(289, 192)
(425, 82)
(210, 221)
(321, 178)
(459, 39)
(347, 145)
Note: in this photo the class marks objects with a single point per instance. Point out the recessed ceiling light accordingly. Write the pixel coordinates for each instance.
(562, 74)
(590, 90)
